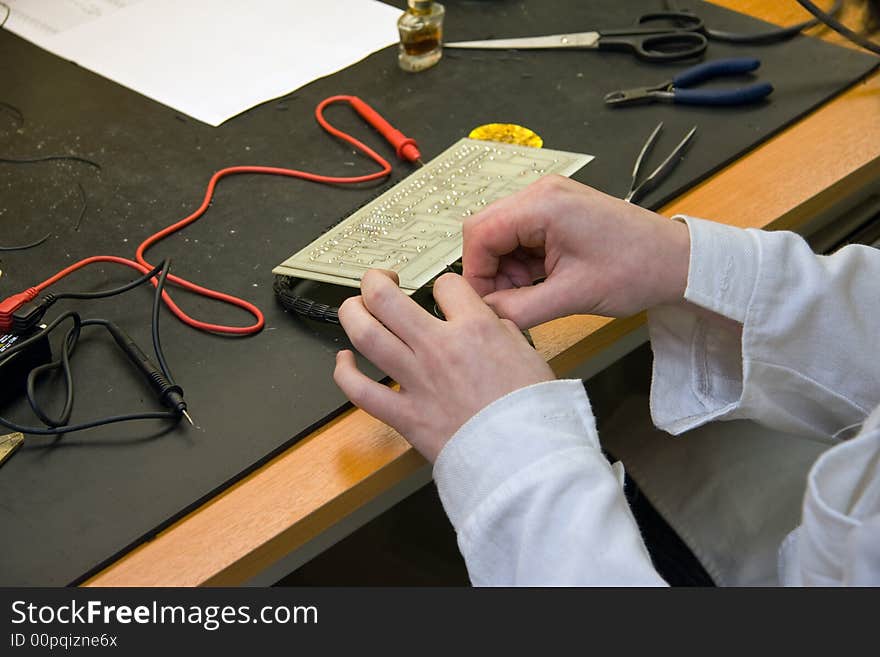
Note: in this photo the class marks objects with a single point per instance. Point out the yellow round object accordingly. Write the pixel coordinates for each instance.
(509, 133)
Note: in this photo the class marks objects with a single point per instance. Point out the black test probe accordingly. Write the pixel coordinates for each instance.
(170, 394)
(158, 377)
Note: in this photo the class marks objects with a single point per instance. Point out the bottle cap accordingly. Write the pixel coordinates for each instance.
(420, 5)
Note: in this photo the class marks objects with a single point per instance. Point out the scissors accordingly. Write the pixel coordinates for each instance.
(656, 37)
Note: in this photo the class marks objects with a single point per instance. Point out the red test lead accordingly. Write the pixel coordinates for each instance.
(404, 146)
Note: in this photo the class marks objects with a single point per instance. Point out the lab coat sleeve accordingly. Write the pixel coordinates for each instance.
(838, 542)
(789, 339)
(534, 501)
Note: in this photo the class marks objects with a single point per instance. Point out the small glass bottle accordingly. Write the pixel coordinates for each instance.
(421, 35)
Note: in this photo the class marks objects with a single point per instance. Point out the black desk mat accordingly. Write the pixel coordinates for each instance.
(70, 506)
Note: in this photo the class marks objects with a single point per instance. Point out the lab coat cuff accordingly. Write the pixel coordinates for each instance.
(507, 436)
(697, 372)
(723, 267)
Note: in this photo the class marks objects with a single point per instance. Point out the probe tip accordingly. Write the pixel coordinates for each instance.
(188, 418)
(420, 163)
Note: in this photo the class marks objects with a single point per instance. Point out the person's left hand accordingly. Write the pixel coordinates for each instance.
(447, 370)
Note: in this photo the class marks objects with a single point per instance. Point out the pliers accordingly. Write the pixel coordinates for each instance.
(677, 90)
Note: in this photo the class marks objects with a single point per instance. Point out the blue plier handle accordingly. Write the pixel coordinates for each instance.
(679, 89)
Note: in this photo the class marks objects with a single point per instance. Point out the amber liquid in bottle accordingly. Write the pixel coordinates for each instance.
(422, 43)
(421, 35)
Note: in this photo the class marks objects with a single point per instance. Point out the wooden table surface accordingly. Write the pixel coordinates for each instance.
(354, 460)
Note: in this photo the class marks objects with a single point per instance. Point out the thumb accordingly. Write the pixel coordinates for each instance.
(388, 273)
(531, 305)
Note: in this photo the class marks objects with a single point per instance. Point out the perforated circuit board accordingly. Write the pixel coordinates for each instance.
(415, 227)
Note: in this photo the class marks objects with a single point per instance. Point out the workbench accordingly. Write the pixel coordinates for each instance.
(354, 467)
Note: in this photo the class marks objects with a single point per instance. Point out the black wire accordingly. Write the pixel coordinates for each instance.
(82, 212)
(162, 269)
(110, 293)
(6, 17)
(771, 36)
(12, 109)
(63, 363)
(70, 428)
(32, 339)
(50, 158)
(85, 205)
(23, 247)
(154, 322)
(839, 27)
(58, 425)
(72, 336)
(69, 343)
(285, 287)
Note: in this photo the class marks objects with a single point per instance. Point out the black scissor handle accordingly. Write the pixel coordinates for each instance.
(659, 22)
(670, 47)
(662, 47)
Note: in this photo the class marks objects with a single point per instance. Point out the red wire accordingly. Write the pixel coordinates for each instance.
(143, 266)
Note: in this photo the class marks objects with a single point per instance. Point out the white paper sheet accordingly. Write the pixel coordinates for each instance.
(210, 59)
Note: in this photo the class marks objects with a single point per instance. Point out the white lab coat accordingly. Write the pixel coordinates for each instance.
(535, 502)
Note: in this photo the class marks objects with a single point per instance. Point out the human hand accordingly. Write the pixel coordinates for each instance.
(447, 370)
(600, 255)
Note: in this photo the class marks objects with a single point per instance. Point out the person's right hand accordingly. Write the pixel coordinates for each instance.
(599, 255)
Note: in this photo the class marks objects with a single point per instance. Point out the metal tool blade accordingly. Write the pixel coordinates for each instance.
(575, 40)
(646, 148)
(8, 444)
(663, 170)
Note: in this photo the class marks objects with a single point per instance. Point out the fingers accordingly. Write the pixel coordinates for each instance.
(389, 274)
(519, 270)
(519, 220)
(529, 306)
(513, 328)
(457, 298)
(379, 401)
(498, 230)
(374, 340)
(392, 307)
